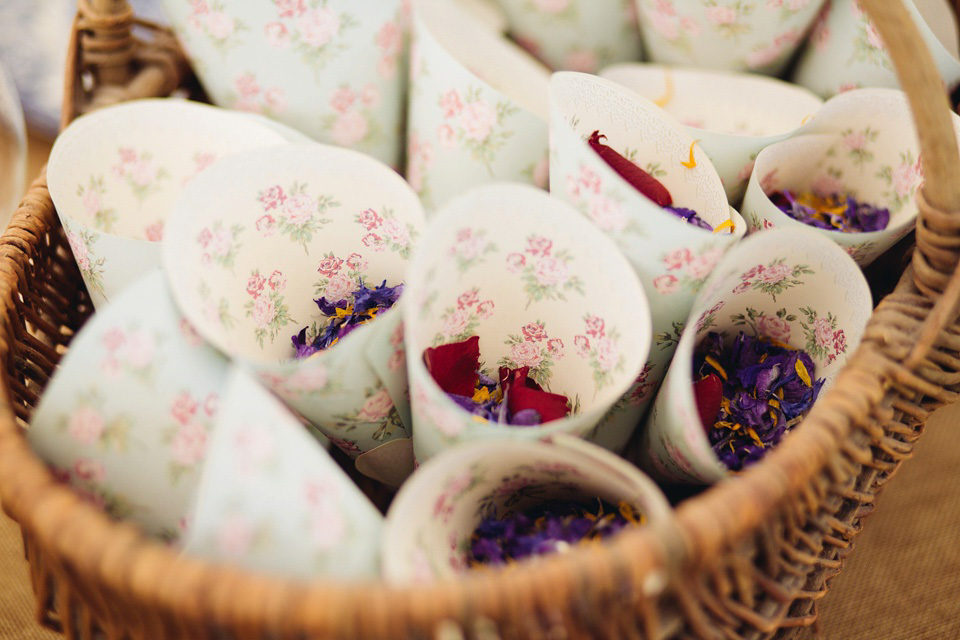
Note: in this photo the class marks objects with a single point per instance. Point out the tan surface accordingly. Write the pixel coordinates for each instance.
(901, 583)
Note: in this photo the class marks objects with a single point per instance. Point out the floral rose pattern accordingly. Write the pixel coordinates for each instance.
(475, 123)
(220, 244)
(141, 174)
(87, 425)
(212, 21)
(353, 120)
(339, 277)
(383, 231)
(312, 29)
(599, 346)
(685, 270)
(91, 197)
(773, 278)
(823, 340)
(544, 270)
(868, 45)
(91, 266)
(470, 248)
(604, 207)
(130, 352)
(191, 421)
(461, 322)
(420, 159)
(776, 326)
(86, 477)
(901, 180)
(325, 522)
(266, 305)
(293, 213)
(251, 97)
(532, 347)
(377, 409)
(454, 488)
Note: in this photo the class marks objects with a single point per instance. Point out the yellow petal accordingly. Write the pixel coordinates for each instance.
(726, 224)
(802, 372)
(692, 162)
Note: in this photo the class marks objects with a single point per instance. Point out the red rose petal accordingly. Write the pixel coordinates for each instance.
(454, 366)
(523, 392)
(708, 392)
(640, 179)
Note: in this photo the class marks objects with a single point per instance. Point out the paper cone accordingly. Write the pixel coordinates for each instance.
(115, 174)
(733, 116)
(863, 143)
(845, 50)
(328, 68)
(272, 500)
(259, 237)
(672, 258)
(429, 525)
(793, 286)
(540, 287)
(746, 35)
(478, 107)
(578, 35)
(126, 418)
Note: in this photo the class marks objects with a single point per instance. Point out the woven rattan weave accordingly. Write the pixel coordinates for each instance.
(748, 558)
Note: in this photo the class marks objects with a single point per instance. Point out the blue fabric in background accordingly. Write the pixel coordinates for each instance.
(33, 48)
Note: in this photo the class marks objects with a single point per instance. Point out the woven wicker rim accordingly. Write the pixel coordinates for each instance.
(123, 561)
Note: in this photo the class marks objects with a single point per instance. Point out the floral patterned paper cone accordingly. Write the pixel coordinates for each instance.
(578, 35)
(863, 144)
(790, 285)
(734, 35)
(271, 499)
(334, 69)
(541, 288)
(845, 51)
(672, 258)
(115, 174)
(126, 418)
(478, 107)
(733, 116)
(429, 525)
(259, 237)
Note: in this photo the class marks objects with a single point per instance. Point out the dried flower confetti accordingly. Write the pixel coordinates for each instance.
(358, 308)
(833, 212)
(749, 393)
(549, 527)
(514, 398)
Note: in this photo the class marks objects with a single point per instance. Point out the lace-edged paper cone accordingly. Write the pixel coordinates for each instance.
(260, 237)
(542, 288)
(793, 286)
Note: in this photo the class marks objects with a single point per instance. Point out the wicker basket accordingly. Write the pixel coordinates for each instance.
(748, 558)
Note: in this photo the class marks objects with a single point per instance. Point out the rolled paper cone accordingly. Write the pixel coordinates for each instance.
(550, 292)
(747, 35)
(733, 116)
(862, 144)
(577, 35)
(127, 416)
(793, 286)
(478, 107)
(114, 175)
(430, 523)
(261, 236)
(334, 70)
(671, 257)
(272, 500)
(845, 51)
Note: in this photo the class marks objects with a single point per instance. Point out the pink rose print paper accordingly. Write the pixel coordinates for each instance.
(553, 295)
(793, 286)
(671, 257)
(429, 525)
(331, 69)
(861, 144)
(734, 35)
(258, 238)
(478, 107)
(128, 417)
(272, 500)
(115, 174)
(845, 50)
